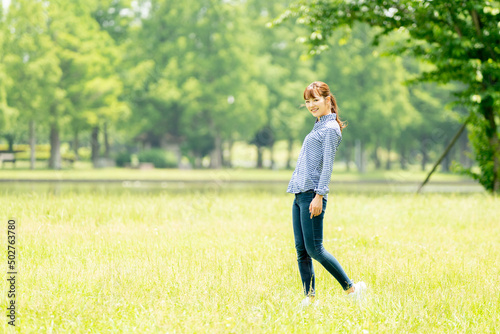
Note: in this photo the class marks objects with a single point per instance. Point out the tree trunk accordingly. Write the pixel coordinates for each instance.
(445, 164)
(222, 158)
(423, 150)
(271, 150)
(76, 145)
(55, 151)
(389, 148)
(176, 148)
(447, 149)
(32, 144)
(492, 134)
(197, 162)
(464, 150)
(376, 158)
(403, 162)
(94, 145)
(259, 157)
(216, 155)
(348, 149)
(106, 141)
(290, 152)
(229, 162)
(360, 159)
(10, 141)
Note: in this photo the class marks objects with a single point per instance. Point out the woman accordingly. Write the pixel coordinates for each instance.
(309, 183)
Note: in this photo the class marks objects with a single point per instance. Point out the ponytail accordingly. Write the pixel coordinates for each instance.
(335, 110)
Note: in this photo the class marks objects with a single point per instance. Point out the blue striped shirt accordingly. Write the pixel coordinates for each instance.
(315, 163)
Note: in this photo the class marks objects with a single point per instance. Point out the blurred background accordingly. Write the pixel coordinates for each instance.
(213, 84)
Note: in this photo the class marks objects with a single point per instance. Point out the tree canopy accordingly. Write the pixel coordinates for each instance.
(108, 78)
(459, 38)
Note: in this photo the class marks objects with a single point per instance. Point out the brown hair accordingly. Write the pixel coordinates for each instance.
(317, 89)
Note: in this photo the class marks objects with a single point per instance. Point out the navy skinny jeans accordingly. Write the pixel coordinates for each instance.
(308, 235)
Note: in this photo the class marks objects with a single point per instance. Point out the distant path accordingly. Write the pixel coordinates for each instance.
(465, 182)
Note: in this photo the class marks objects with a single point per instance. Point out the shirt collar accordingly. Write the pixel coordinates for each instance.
(327, 117)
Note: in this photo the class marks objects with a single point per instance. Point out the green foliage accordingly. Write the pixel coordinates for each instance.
(205, 74)
(61, 68)
(194, 69)
(89, 59)
(122, 159)
(114, 16)
(159, 158)
(369, 89)
(31, 66)
(459, 38)
(484, 154)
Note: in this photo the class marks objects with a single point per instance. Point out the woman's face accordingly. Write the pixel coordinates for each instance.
(318, 106)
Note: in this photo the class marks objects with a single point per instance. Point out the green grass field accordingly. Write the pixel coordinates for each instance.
(225, 175)
(224, 262)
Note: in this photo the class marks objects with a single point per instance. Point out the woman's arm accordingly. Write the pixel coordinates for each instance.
(329, 146)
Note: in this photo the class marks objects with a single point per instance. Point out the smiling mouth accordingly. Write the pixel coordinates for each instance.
(314, 110)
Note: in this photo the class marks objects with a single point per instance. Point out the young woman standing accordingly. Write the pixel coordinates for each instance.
(309, 183)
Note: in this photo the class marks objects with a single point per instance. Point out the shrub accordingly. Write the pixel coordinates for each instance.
(159, 158)
(122, 159)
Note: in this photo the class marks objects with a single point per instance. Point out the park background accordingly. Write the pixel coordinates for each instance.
(146, 147)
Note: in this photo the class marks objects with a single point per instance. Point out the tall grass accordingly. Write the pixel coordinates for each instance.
(221, 175)
(225, 262)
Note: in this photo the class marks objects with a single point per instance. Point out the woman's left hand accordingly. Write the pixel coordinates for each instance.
(316, 206)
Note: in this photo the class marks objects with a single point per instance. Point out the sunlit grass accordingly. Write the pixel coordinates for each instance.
(219, 175)
(225, 262)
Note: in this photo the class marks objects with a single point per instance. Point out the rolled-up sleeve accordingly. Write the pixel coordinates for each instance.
(329, 147)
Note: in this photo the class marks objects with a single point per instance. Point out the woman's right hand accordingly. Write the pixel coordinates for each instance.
(316, 206)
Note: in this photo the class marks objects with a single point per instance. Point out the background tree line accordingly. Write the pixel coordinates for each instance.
(194, 77)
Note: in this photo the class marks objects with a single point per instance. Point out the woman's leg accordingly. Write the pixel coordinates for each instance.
(312, 231)
(305, 262)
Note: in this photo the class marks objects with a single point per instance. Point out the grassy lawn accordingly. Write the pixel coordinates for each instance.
(222, 262)
(224, 175)
(244, 156)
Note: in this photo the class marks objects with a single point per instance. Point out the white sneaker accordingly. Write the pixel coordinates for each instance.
(307, 302)
(359, 291)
